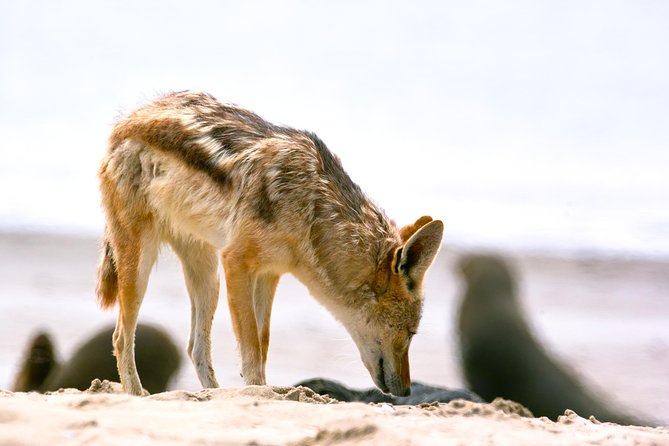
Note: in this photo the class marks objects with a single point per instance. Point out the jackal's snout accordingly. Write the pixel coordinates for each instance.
(391, 375)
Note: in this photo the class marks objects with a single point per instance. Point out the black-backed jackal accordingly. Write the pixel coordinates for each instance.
(216, 181)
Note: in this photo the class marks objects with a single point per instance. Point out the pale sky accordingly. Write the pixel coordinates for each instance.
(503, 104)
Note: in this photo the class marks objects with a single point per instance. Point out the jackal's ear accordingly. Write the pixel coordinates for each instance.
(416, 255)
(407, 231)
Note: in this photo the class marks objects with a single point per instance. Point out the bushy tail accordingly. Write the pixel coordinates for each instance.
(107, 287)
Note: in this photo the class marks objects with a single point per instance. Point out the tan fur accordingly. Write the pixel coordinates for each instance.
(218, 183)
(407, 231)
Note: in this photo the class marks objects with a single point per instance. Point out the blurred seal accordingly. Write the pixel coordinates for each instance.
(38, 362)
(500, 355)
(420, 393)
(158, 359)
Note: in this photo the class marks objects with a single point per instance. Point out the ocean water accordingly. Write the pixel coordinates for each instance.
(536, 126)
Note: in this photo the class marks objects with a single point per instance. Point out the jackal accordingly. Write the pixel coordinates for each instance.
(213, 179)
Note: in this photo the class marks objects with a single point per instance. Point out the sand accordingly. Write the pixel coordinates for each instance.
(605, 317)
(263, 415)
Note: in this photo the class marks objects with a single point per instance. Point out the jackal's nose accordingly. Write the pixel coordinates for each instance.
(398, 379)
(391, 382)
(405, 392)
(399, 389)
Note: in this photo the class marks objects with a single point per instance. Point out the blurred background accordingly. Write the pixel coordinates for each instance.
(536, 129)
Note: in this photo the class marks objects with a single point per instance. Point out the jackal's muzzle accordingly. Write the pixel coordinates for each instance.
(392, 376)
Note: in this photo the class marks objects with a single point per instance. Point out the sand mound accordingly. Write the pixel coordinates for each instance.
(285, 415)
(255, 393)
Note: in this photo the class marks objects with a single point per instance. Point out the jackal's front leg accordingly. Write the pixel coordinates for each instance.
(263, 295)
(240, 281)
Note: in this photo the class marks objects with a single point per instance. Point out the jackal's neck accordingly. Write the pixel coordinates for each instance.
(350, 236)
(350, 249)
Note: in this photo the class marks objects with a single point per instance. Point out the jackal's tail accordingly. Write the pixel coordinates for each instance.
(107, 287)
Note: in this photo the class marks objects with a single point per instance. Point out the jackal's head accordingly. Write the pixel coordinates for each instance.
(390, 315)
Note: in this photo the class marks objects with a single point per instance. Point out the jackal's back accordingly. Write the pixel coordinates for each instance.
(198, 129)
(216, 138)
(259, 174)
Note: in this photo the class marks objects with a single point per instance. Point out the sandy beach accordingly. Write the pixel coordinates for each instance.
(286, 416)
(534, 127)
(604, 317)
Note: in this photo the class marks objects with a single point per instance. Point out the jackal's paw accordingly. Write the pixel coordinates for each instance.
(255, 379)
(136, 390)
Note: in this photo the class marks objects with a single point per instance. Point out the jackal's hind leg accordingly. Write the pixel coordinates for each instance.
(200, 266)
(135, 256)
